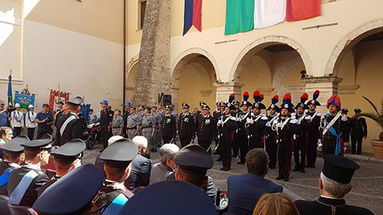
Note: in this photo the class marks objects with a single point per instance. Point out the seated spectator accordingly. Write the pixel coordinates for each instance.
(170, 198)
(160, 171)
(193, 162)
(334, 184)
(100, 163)
(13, 156)
(70, 195)
(244, 191)
(275, 204)
(141, 166)
(66, 158)
(6, 134)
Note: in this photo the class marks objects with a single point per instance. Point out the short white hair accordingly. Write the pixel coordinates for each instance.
(113, 139)
(167, 151)
(141, 142)
(336, 189)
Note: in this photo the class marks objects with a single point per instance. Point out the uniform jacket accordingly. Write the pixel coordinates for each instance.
(186, 124)
(244, 192)
(17, 119)
(74, 129)
(206, 127)
(324, 206)
(4, 167)
(169, 126)
(314, 124)
(31, 193)
(30, 119)
(358, 126)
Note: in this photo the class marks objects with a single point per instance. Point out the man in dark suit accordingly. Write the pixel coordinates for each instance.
(334, 184)
(141, 166)
(244, 191)
(206, 128)
(358, 128)
(24, 182)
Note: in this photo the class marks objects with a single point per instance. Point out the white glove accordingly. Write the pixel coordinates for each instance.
(220, 122)
(294, 137)
(249, 121)
(308, 117)
(268, 124)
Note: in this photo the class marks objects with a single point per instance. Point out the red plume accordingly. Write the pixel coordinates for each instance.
(256, 95)
(287, 97)
(275, 99)
(316, 95)
(304, 97)
(231, 97)
(245, 96)
(261, 97)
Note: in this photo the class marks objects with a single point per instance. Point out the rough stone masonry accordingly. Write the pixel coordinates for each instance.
(154, 66)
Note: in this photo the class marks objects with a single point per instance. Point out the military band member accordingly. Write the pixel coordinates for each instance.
(207, 127)
(17, 120)
(358, 128)
(313, 130)
(132, 124)
(24, 182)
(284, 126)
(226, 129)
(70, 126)
(113, 194)
(168, 127)
(270, 134)
(334, 184)
(147, 129)
(186, 125)
(256, 123)
(241, 135)
(333, 128)
(12, 159)
(66, 158)
(30, 121)
(301, 134)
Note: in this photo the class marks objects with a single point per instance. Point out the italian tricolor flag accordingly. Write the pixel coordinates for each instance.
(246, 15)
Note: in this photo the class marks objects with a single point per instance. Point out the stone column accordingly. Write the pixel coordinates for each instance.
(327, 85)
(153, 76)
(223, 91)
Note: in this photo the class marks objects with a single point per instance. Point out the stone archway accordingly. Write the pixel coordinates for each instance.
(350, 40)
(272, 40)
(132, 70)
(194, 78)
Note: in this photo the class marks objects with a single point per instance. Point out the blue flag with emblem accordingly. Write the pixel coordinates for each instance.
(24, 99)
(10, 97)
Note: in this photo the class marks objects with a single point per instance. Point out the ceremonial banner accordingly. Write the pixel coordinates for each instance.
(302, 9)
(239, 16)
(24, 99)
(269, 12)
(192, 15)
(55, 97)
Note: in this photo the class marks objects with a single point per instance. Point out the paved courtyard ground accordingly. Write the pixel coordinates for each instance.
(367, 182)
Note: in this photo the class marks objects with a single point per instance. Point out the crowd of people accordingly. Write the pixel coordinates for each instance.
(44, 175)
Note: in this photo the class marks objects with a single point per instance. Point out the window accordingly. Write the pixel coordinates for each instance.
(141, 13)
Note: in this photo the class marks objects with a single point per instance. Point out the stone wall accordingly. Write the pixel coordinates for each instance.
(154, 65)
